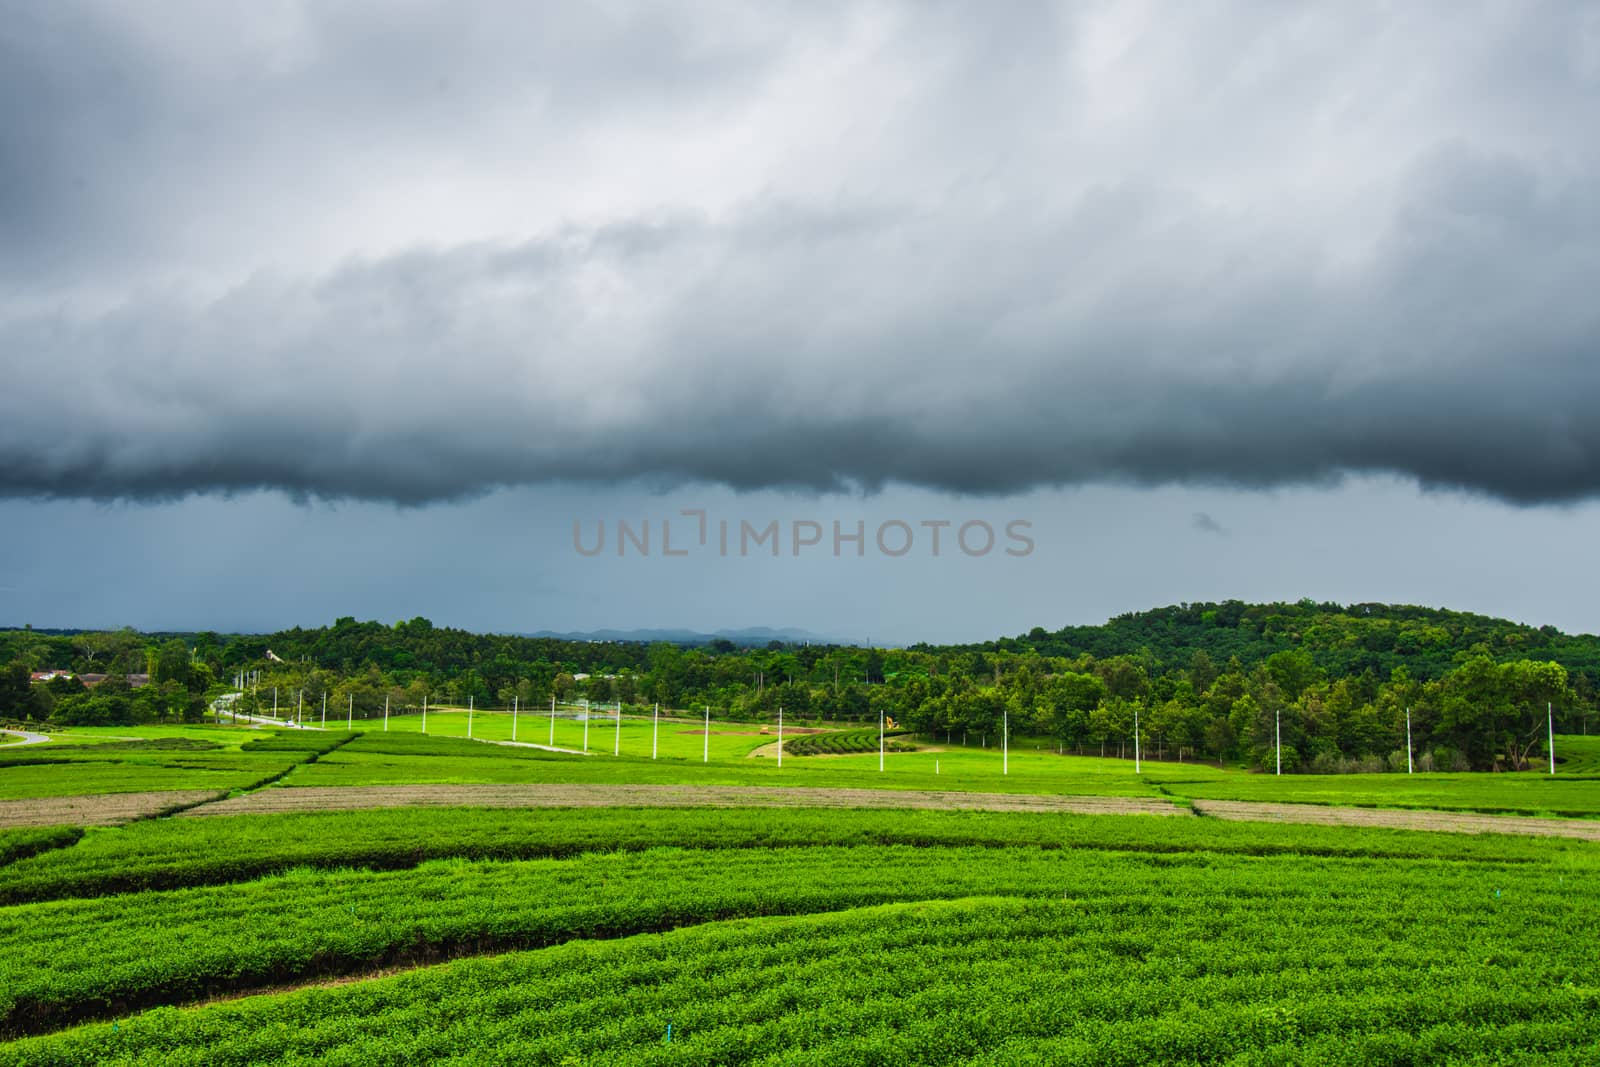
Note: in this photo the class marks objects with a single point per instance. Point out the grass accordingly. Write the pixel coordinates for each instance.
(134, 775)
(26, 842)
(1108, 951)
(780, 936)
(111, 759)
(153, 759)
(185, 853)
(1577, 756)
(397, 757)
(979, 981)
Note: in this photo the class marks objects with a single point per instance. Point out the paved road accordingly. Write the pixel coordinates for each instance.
(27, 738)
(542, 748)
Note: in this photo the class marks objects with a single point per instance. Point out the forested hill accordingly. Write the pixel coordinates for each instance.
(1343, 686)
(1343, 640)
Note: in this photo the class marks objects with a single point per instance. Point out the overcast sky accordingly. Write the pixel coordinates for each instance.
(321, 309)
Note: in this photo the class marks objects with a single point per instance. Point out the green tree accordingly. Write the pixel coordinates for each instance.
(17, 700)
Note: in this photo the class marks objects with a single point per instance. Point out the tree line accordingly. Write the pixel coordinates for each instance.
(1203, 681)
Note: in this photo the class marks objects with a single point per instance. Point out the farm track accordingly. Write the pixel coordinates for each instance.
(100, 809)
(665, 796)
(1398, 819)
(28, 737)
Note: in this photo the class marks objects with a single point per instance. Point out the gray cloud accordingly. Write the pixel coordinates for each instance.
(1206, 524)
(1117, 252)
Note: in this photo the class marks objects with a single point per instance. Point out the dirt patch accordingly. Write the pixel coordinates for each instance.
(1447, 821)
(534, 795)
(101, 809)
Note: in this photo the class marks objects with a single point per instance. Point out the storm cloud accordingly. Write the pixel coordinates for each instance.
(416, 256)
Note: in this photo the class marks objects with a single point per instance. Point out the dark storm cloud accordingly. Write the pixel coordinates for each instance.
(972, 303)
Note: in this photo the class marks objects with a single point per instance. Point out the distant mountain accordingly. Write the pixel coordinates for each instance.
(749, 637)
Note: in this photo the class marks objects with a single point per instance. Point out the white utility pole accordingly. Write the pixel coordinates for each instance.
(705, 752)
(324, 709)
(552, 720)
(616, 747)
(350, 713)
(1408, 741)
(515, 701)
(880, 742)
(655, 730)
(586, 725)
(1136, 739)
(470, 699)
(1005, 740)
(1550, 722)
(424, 712)
(386, 713)
(780, 736)
(1277, 735)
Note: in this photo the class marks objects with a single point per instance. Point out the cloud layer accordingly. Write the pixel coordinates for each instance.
(416, 257)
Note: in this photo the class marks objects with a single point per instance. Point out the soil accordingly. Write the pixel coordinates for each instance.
(1448, 821)
(101, 809)
(677, 796)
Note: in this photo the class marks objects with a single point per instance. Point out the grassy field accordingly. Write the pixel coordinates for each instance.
(395, 757)
(777, 935)
(1579, 757)
(930, 937)
(138, 760)
(230, 758)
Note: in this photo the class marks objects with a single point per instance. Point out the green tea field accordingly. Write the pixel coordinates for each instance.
(233, 894)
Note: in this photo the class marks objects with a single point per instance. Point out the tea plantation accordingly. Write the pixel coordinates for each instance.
(787, 933)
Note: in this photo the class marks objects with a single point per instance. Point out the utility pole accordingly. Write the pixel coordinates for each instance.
(1136, 739)
(1550, 722)
(1408, 740)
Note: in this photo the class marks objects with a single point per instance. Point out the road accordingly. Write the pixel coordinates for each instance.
(27, 738)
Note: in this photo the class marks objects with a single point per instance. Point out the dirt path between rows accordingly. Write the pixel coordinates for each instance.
(665, 796)
(1460, 822)
(100, 809)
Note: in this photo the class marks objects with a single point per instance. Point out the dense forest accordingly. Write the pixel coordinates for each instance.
(1202, 681)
